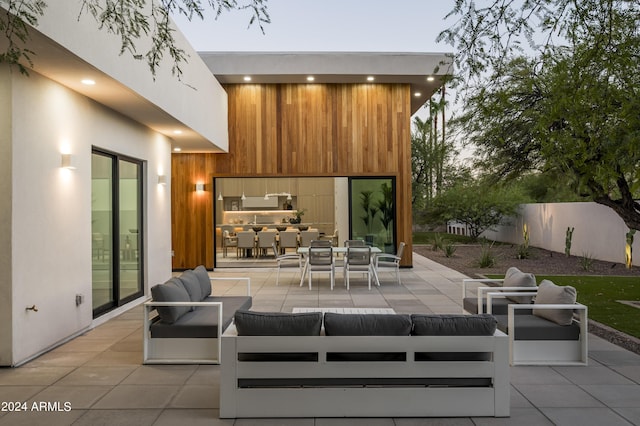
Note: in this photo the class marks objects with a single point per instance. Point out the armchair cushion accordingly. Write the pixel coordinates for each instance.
(516, 278)
(551, 294)
(250, 323)
(366, 324)
(171, 291)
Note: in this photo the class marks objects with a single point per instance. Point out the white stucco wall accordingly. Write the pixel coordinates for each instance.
(51, 207)
(598, 230)
(198, 100)
(6, 293)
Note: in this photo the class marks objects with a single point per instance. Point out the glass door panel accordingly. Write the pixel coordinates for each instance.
(373, 212)
(129, 221)
(102, 230)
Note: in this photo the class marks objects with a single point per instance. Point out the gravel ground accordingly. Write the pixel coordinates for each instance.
(465, 260)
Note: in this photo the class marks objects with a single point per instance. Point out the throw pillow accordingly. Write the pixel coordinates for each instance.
(205, 282)
(517, 278)
(453, 325)
(366, 324)
(551, 294)
(250, 323)
(171, 291)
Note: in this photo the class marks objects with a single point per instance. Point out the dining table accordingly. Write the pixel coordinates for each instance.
(304, 251)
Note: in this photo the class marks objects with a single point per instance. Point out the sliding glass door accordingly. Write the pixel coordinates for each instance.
(116, 230)
(372, 211)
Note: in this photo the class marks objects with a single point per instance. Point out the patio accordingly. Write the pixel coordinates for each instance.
(102, 377)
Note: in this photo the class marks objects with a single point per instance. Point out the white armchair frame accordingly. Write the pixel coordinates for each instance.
(544, 352)
(483, 291)
(183, 350)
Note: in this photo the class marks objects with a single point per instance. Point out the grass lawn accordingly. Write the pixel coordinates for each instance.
(600, 295)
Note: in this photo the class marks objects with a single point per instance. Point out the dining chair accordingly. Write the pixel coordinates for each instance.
(390, 261)
(307, 236)
(228, 241)
(354, 243)
(320, 259)
(288, 239)
(333, 238)
(265, 240)
(246, 242)
(358, 259)
(286, 260)
(320, 243)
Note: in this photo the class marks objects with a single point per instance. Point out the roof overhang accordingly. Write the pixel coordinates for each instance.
(68, 49)
(425, 73)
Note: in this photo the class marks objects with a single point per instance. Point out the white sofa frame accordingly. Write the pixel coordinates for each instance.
(363, 401)
(545, 352)
(183, 350)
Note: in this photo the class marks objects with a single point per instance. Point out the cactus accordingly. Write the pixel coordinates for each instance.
(628, 258)
(567, 241)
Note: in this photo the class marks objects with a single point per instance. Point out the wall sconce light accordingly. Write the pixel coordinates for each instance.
(220, 196)
(199, 187)
(162, 180)
(68, 162)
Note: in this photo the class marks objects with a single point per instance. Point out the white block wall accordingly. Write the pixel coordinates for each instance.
(599, 231)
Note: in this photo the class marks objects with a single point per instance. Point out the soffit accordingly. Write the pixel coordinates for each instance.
(425, 73)
(53, 61)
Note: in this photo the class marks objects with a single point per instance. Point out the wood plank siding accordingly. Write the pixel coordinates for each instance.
(297, 130)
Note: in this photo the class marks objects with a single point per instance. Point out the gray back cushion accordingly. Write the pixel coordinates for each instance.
(366, 324)
(192, 285)
(516, 278)
(549, 293)
(250, 323)
(203, 279)
(171, 291)
(453, 325)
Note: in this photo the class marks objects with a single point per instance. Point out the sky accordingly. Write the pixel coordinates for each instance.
(327, 25)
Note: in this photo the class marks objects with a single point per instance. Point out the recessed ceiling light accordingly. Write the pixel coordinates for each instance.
(177, 149)
(430, 78)
(417, 94)
(311, 78)
(371, 78)
(177, 132)
(247, 78)
(88, 82)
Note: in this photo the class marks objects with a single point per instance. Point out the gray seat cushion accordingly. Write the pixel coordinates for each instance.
(366, 324)
(171, 291)
(499, 305)
(250, 323)
(203, 321)
(453, 325)
(531, 327)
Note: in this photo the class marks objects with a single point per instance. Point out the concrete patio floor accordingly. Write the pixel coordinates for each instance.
(100, 374)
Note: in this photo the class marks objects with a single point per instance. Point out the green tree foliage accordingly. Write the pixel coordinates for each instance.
(432, 155)
(571, 108)
(131, 20)
(479, 204)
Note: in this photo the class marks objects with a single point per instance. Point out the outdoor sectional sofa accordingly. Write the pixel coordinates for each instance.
(544, 323)
(183, 321)
(363, 365)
